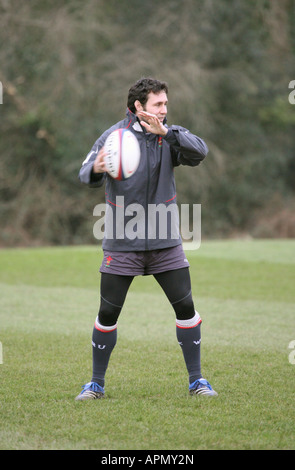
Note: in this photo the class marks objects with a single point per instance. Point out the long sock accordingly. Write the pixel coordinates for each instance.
(188, 334)
(104, 339)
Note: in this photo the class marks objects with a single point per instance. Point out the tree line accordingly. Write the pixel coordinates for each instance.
(66, 68)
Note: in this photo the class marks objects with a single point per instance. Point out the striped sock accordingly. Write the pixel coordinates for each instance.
(188, 334)
(104, 339)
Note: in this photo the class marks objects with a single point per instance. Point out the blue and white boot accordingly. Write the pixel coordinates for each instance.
(90, 391)
(201, 387)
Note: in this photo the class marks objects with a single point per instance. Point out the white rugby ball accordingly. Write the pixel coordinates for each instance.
(123, 154)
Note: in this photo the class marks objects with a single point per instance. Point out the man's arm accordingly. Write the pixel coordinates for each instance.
(186, 148)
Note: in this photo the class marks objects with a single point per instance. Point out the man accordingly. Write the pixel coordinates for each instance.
(163, 148)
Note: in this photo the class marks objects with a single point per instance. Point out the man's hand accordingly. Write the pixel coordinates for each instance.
(99, 165)
(152, 123)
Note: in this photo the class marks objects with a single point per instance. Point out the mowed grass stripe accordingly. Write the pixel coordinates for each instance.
(224, 276)
(72, 311)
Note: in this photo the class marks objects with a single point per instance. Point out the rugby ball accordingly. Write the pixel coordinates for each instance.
(123, 154)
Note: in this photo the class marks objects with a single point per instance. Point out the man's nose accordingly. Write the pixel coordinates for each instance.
(164, 109)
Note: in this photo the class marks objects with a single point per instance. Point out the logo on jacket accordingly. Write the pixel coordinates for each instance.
(109, 259)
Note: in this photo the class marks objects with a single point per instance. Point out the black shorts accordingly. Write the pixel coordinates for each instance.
(137, 263)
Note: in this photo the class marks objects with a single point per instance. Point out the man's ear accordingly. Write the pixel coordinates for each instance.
(138, 105)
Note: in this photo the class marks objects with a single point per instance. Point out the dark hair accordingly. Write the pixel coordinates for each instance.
(140, 90)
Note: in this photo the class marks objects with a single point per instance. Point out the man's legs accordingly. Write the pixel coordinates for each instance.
(177, 287)
(113, 290)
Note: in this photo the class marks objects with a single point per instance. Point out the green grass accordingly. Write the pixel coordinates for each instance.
(244, 291)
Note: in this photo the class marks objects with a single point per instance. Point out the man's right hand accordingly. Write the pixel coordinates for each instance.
(99, 165)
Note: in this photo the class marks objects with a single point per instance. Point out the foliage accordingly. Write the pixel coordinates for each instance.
(66, 70)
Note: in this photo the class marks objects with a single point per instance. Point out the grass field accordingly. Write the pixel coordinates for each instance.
(244, 291)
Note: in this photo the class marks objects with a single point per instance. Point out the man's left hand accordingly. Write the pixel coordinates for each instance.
(152, 123)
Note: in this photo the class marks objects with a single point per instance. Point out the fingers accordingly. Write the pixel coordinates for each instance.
(99, 165)
(152, 123)
(146, 114)
(148, 117)
(145, 124)
(149, 121)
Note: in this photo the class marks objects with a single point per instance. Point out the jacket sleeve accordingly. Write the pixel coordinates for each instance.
(186, 148)
(86, 174)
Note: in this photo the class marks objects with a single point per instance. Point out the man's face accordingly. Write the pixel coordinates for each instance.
(157, 104)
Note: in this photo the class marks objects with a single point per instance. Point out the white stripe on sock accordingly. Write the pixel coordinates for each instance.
(190, 323)
(101, 327)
